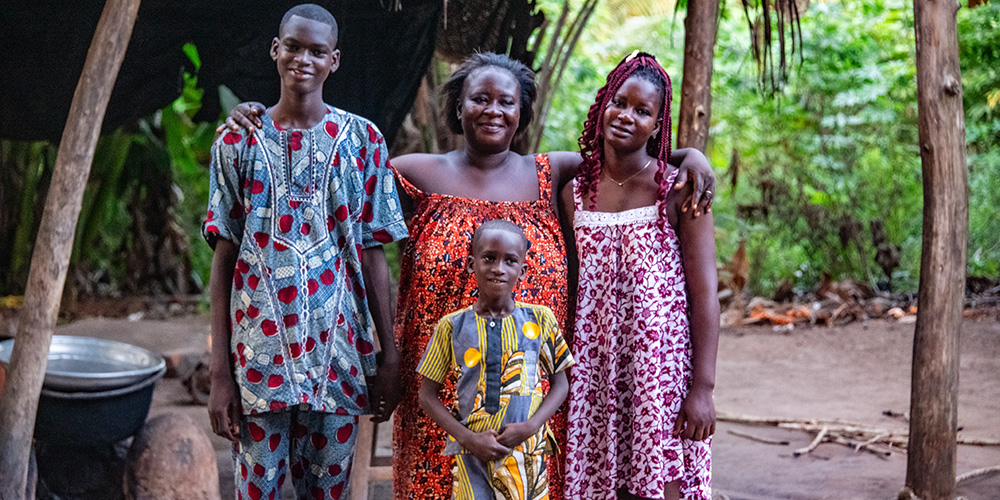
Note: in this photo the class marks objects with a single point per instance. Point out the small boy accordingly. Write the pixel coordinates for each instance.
(298, 212)
(497, 350)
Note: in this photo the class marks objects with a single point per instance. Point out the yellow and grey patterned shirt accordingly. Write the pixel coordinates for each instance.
(497, 363)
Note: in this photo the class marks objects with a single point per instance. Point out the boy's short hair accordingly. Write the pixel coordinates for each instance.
(312, 12)
(499, 225)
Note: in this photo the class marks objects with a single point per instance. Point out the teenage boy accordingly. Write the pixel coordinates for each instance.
(298, 212)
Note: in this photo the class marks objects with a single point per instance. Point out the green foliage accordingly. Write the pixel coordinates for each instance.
(803, 175)
(979, 54)
(836, 151)
(151, 172)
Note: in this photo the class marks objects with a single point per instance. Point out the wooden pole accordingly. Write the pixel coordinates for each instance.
(50, 258)
(696, 85)
(930, 471)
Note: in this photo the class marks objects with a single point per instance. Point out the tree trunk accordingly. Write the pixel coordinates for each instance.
(930, 472)
(55, 241)
(696, 87)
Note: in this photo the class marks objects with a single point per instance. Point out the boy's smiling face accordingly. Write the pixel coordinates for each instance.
(498, 262)
(306, 54)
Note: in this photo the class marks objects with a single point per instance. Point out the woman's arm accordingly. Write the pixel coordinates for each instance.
(566, 212)
(691, 161)
(692, 166)
(244, 115)
(697, 238)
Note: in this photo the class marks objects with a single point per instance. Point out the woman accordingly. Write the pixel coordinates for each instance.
(488, 100)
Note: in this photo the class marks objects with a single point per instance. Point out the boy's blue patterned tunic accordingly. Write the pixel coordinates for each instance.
(300, 205)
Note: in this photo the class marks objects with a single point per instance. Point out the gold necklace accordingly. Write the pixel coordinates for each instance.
(622, 183)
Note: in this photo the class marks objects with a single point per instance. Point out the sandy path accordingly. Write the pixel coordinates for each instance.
(851, 373)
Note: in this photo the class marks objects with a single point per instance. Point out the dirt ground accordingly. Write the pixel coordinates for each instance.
(852, 373)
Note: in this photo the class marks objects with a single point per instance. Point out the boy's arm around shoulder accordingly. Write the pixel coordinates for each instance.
(224, 398)
(697, 239)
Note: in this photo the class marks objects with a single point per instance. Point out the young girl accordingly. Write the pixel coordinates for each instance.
(647, 317)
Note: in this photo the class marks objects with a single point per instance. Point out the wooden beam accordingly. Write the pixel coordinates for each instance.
(50, 258)
(930, 472)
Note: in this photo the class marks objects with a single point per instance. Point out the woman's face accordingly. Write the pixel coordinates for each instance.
(490, 108)
(632, 115)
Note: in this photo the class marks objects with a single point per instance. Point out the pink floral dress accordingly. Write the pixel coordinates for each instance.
(633, 350)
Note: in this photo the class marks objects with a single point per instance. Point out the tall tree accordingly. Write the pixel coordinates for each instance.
(930, 471)
(700, 26)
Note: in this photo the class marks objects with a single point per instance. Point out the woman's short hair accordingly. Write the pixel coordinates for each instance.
(452, 89)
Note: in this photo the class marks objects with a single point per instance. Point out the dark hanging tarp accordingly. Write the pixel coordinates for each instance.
(43, 44)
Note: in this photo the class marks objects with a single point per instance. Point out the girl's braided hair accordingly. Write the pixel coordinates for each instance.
(644, 66)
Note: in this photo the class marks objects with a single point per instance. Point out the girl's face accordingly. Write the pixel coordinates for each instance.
(490, 108)
(632, 115)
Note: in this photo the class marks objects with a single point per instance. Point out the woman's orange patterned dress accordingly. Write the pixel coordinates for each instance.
(434, 282)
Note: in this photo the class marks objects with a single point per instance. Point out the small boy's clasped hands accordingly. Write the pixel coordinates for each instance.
(497, 351)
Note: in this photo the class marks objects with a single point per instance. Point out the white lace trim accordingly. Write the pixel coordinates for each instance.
(641, 215)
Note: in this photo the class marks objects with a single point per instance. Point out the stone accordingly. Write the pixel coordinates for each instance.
(171, 458)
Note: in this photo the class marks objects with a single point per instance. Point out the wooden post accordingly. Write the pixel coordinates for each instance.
(696, 85)
(50, 259)
(930, 471)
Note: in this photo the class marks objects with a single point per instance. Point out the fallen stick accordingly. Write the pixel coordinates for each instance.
(877, 437)
(850, 443)
(859, 433)
(977, 473)
(833, 427)
(977, 441)
(758, 439)
(812, 446)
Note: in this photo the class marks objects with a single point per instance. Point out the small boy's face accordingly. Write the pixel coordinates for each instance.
(306, 54)
(498, 262)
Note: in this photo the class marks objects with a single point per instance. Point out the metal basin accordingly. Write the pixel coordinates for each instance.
(89, 364)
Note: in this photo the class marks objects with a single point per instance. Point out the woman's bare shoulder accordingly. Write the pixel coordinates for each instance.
(422, 168)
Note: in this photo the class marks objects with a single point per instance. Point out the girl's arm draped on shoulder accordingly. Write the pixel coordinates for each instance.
(697, 239)
(690, 161)
(224, 398)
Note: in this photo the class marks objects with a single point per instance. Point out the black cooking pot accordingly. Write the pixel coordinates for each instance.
(89, 418)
